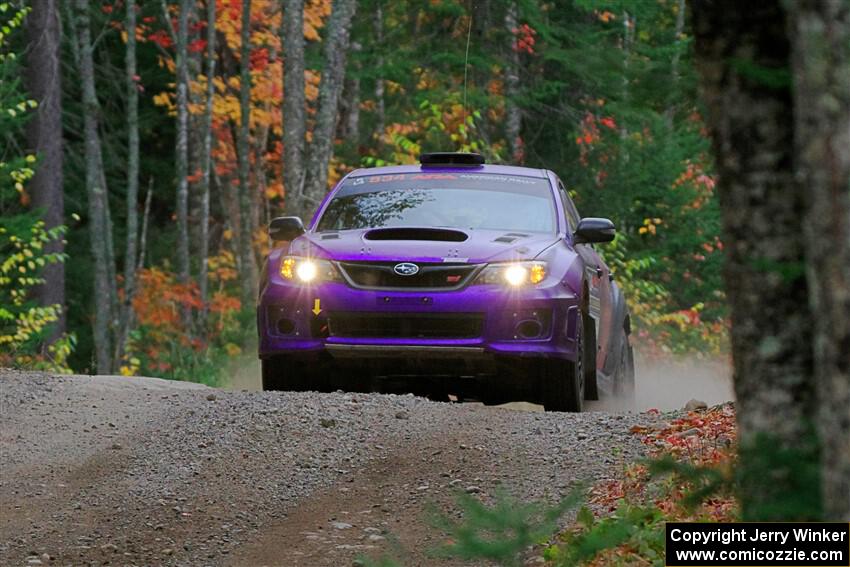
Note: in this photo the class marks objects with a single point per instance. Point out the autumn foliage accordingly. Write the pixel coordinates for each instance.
(162, 345)
(688, 477)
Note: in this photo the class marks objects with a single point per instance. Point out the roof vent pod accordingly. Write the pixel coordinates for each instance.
(451, 159)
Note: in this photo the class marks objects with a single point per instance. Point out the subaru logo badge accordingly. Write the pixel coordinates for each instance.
(406, 269)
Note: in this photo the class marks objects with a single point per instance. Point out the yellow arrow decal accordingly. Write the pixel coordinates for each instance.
(317, 306)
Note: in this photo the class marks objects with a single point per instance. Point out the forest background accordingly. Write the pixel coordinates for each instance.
(146, 145)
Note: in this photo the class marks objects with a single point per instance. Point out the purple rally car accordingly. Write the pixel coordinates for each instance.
(450, 277)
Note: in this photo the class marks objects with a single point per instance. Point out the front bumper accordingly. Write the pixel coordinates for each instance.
(533, 322)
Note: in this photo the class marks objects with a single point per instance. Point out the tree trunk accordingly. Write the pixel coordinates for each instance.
(248, 277)
(206, 162)
(132, 181)
(674, 63)
(348, 127)
(230, 208)
(96, 192)
(111, 273)
(182, 147)
(44, 138)
(336, 44)
(143, 238)
(513, 116)
(257, 149)
(629, 25)
(743, 58)
(821, 43)
(380, 105)
(294, 102)
(195, 68)
(353, 122)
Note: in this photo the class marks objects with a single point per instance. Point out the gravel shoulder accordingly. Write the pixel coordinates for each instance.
(132, 471)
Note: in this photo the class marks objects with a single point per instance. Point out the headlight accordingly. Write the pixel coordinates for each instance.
(308, 270)
(514, 274)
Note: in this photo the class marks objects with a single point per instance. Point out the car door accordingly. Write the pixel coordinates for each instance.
(597, 276)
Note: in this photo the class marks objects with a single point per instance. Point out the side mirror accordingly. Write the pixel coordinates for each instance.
(286, 228)
(591, 230)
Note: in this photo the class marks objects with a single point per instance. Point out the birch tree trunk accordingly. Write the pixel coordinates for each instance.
(348, 126)
(294, 102)
(248, 277)
(629, 25)
(513, 116)
(132, 181)
(111, 270)
(258, 143)
(230, 207)
(206, 162)
(352, 124)
(821, 64)
(143, 238)
(743, 57)
(96, 191)
(336, 44)
(44, 137)
(195, 68)
(182, 146)
(380, 105)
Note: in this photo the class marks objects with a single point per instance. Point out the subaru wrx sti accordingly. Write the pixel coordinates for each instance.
(448, 277)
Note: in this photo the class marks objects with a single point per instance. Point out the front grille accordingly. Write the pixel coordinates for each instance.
(380, 275)
(355, 324)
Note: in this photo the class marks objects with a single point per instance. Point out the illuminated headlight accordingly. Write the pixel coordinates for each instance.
(514, 274)
(308, 270)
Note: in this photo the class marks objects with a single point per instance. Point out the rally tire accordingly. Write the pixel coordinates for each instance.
(288, 374)
(563, 380)
(491, 392)
(591, 390)
(624, 375)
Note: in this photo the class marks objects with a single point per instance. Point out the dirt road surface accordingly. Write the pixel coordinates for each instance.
(141, 471)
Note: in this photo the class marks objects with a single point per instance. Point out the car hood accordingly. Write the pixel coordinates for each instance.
(480, 246)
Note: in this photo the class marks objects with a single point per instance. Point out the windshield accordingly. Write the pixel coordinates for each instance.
(448, 200)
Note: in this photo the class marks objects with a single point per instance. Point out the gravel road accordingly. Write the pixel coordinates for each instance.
(142, 471)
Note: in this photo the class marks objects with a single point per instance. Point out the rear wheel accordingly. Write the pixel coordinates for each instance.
(624, 375)
(563, 381)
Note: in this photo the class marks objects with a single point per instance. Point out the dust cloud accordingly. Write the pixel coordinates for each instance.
(243, 372)
(669, 383)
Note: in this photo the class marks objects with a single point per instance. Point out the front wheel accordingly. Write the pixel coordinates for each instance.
(563, 381)
(589, 350)
(290, 374)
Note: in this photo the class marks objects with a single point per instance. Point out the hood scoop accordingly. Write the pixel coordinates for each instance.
(510, 237)
(412, 233)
